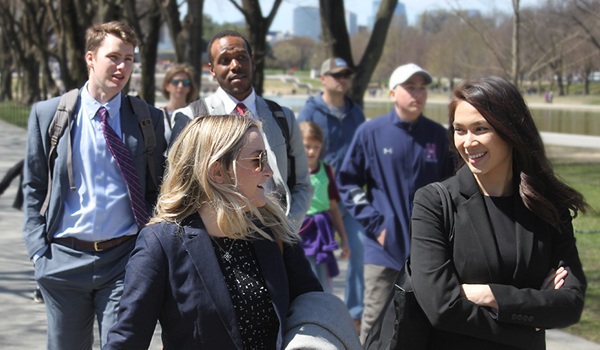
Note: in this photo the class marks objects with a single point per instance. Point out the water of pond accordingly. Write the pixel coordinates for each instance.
(554, 120)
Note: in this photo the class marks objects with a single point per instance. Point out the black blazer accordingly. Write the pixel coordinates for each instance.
(438, 269)
(174, 277)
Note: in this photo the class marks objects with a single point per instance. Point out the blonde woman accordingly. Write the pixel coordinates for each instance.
(179, 89)
(218, 265)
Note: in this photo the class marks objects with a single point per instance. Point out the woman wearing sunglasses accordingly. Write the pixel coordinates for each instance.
(179, 88)
(218, 265)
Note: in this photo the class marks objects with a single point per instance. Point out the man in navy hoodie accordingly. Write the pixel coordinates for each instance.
(392, 156)
(339, 117)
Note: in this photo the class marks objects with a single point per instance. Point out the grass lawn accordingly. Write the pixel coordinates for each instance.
(584, 177)
(14, 113)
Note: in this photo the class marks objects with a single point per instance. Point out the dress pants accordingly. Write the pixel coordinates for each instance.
(379, 281)
(78, 284)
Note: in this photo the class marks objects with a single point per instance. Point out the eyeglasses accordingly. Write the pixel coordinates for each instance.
(184, 82)
(340, 75)
(262, 159)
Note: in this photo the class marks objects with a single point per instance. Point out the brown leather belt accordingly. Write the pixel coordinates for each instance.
(97, 246)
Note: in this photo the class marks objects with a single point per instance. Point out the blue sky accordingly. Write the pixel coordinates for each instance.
(223, 11)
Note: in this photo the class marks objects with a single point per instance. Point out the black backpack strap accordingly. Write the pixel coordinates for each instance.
(285, 130)
(58, 125)
(199, 108)
(180, 120)
(140, 108)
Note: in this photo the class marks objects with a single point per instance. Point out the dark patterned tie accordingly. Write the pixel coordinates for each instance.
(123, 158)
(241, 108)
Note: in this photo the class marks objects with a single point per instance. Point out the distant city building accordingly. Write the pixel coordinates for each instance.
(274, 37)
(351, 23)
(165, 44)
(307, 22)
(434, 21)
(400, 17)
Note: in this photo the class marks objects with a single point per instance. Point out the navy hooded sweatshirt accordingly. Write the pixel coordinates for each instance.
(392, 159)
(338, 133)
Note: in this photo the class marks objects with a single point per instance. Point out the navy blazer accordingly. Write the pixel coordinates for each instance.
(39, 230)
(173, 276)
(439, 268)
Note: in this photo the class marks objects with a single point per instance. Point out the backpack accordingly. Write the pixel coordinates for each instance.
(61, 121)
(402, 324)
(199, 108)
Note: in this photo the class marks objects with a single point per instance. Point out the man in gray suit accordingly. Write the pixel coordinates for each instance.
(102, 191)
(231, 62)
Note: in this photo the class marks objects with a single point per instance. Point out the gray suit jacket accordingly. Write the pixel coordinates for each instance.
(39, 230)
(298, 201)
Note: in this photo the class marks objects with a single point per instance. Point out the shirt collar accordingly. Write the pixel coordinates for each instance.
(231, 102)
(91, 106)
(410, 126)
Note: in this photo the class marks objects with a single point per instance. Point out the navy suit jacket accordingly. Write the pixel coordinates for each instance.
(173, 276)
(39, 230)
(439, 268)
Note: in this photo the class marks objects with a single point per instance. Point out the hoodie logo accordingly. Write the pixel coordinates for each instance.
(388, 150)
(431, 152)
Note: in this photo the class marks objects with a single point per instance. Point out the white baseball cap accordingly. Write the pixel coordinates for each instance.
(403, 73)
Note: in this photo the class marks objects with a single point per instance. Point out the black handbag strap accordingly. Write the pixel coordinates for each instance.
(447, 208)
(448, 214)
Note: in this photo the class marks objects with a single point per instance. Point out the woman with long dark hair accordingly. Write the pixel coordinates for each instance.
(511, 268)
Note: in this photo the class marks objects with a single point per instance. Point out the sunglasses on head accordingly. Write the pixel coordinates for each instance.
(184, 82)
(262, 159)
(346, 75)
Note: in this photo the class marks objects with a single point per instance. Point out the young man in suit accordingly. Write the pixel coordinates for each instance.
(102, 192)
(231, 62)
(339, 117)
(393, 156)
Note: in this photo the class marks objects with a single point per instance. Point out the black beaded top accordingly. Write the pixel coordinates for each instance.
(257, 320)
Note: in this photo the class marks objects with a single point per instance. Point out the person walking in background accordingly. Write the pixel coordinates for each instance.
(219, 264)
(339, 117)
(323, 216)
(102, 192)
(231, 63)
(392, 156)
(512, 268)
(179, 89)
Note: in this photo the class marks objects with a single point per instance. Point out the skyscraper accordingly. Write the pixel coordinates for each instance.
(400, 16)
(307, 22)
(351, 23)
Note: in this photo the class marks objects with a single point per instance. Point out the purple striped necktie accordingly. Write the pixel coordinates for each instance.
(123, 158)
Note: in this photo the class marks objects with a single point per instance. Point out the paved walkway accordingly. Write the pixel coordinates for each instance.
(23, 322)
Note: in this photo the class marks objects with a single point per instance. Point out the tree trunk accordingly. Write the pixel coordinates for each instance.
(73, 30)
(586, 83)
(149, 53)
(148, 43)
(559, 83)
(171, 11)
(257, 27)
(31, 80)
(335, 37)
(515, 43)
(195, 8)
(108, 11)
(5, 70)
(258, 41)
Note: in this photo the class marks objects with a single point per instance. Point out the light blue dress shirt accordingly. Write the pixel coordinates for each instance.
(100, 208)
